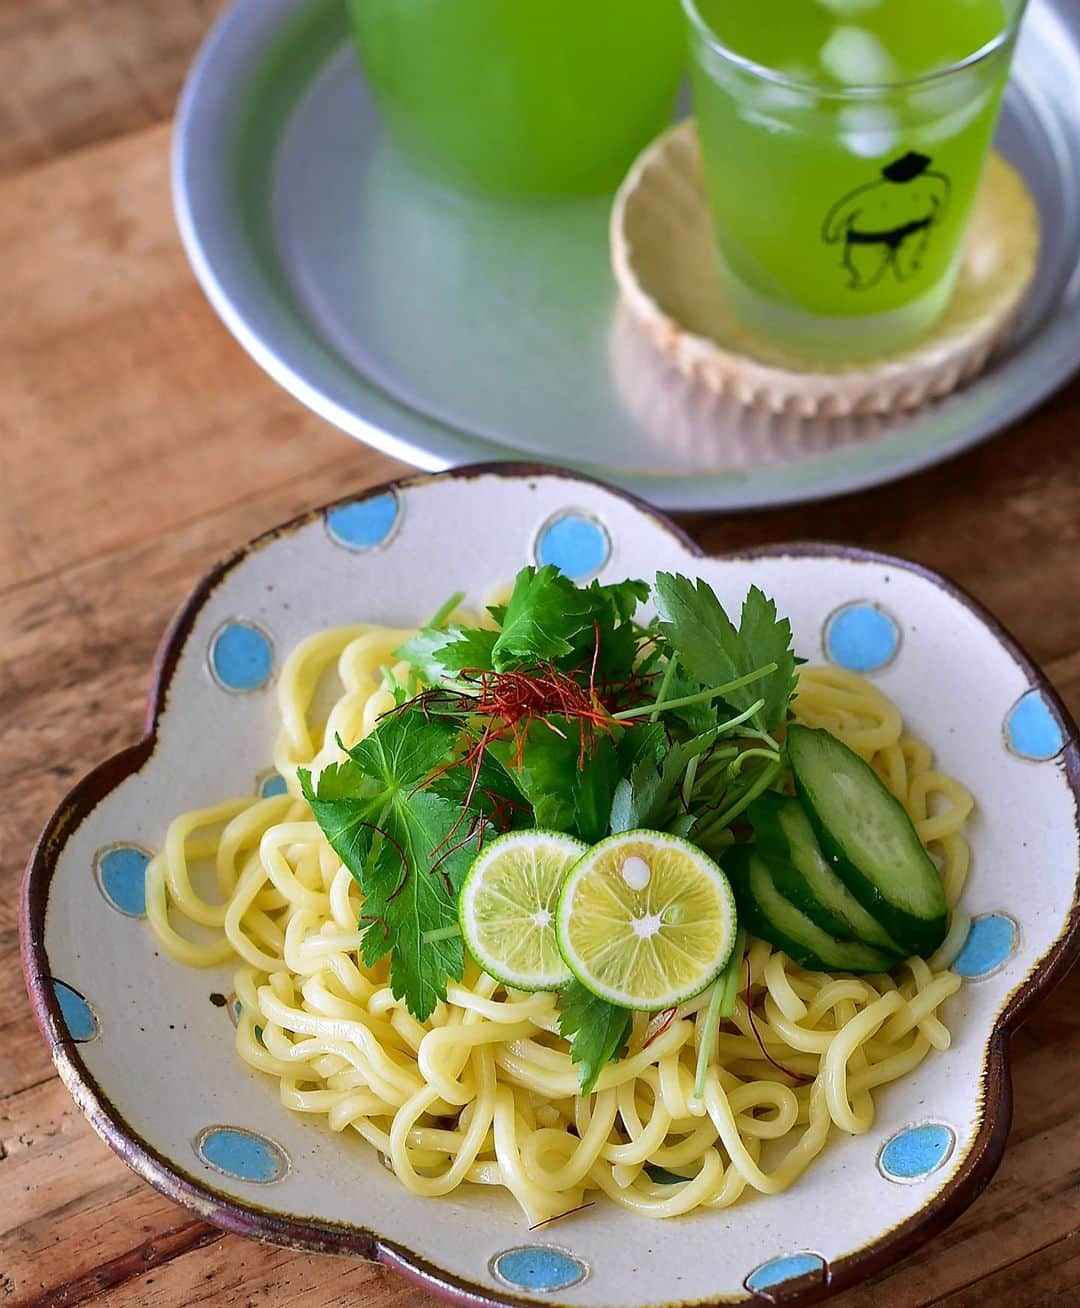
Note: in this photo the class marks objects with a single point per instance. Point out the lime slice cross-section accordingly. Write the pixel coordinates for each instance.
(646, 920)
(507, 907)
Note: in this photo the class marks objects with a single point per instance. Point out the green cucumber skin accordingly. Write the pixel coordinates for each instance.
(917, 935)
(759, 924)
(771, 838)
(791, 885)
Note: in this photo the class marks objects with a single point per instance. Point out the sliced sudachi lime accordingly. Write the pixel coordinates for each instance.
(507, 907)
(646, 920)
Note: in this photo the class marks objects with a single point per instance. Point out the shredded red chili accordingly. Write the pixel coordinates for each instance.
(795, 1076)
(668, 1016)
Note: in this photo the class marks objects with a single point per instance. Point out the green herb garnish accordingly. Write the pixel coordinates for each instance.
(395, 840)
(597, 1031)
(567, 714)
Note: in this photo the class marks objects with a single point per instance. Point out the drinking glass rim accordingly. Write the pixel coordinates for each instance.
(863, 91)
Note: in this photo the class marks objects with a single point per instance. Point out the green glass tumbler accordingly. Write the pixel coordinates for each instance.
(522, 96)
(843, 143)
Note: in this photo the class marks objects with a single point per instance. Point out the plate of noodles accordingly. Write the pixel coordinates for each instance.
(508, 892)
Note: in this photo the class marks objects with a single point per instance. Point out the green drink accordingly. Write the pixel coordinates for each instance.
(523, 96)
(843, 143)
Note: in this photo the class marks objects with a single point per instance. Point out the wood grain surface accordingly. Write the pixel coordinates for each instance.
(137, 445)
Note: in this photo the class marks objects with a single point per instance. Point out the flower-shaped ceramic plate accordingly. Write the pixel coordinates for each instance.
(145, 1045)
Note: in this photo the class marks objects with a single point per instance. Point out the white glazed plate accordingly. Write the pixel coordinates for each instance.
(149, 1057)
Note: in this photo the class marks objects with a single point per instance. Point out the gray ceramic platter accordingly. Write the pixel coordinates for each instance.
(443, 329)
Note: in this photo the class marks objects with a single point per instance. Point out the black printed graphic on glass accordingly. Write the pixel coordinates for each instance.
(886, 225)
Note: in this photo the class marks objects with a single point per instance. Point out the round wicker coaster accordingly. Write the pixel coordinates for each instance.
(662, 252)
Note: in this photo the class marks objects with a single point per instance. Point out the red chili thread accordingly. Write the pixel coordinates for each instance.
(475, 759)
(372, 826)
(503, 808)
(400, 885)
(669, 1017)
(512, 702)
(477, 821)
(795, 1076)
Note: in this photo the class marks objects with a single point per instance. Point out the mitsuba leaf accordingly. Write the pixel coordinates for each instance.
(768, 640)
(597, 1031)
(495, 794)
(471, 649)
(713, 652)
(641, 798)
(702, 634)
(406, 896)
(404, 749)
(440, 654)
(407, 847)
(624, 597)
(546, 771)
(594, 790)
(696, 718)
(644, 740)
(341, 810)
(565, 796)
(609, 639)
(682, 825)
(550, 620)
(545, 612)
(638, 798)
(422, 652)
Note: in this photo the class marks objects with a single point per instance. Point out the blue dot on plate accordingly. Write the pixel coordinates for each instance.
(241, 657)
(366, 524)
(242, 1154)
(990, 942)
(538, 1267)
(121, 873)
(272, 784)
(1031, 729)
(779, 1270)
(79, 1017)
(861, 638)
(575, 543)
(917, 1151)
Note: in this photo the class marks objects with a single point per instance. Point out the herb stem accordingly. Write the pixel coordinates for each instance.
(726, 816)
(665, 682)
(731, 976)
(719, 761)
(689, 778)
(740, 718)
(703, 696)
(764, 736)
(736, 765)
(446, 610)
(721, 1005)
(443, 933)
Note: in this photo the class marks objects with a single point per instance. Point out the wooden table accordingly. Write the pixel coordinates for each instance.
(137, 445)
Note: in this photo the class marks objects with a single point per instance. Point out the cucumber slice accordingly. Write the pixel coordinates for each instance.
(869, 840)
(766, 913)
(784, 833)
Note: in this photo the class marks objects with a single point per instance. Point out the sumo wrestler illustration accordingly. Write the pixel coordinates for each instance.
(886, 225)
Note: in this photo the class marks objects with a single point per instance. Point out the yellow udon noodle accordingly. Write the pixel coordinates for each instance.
(484, 1091)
